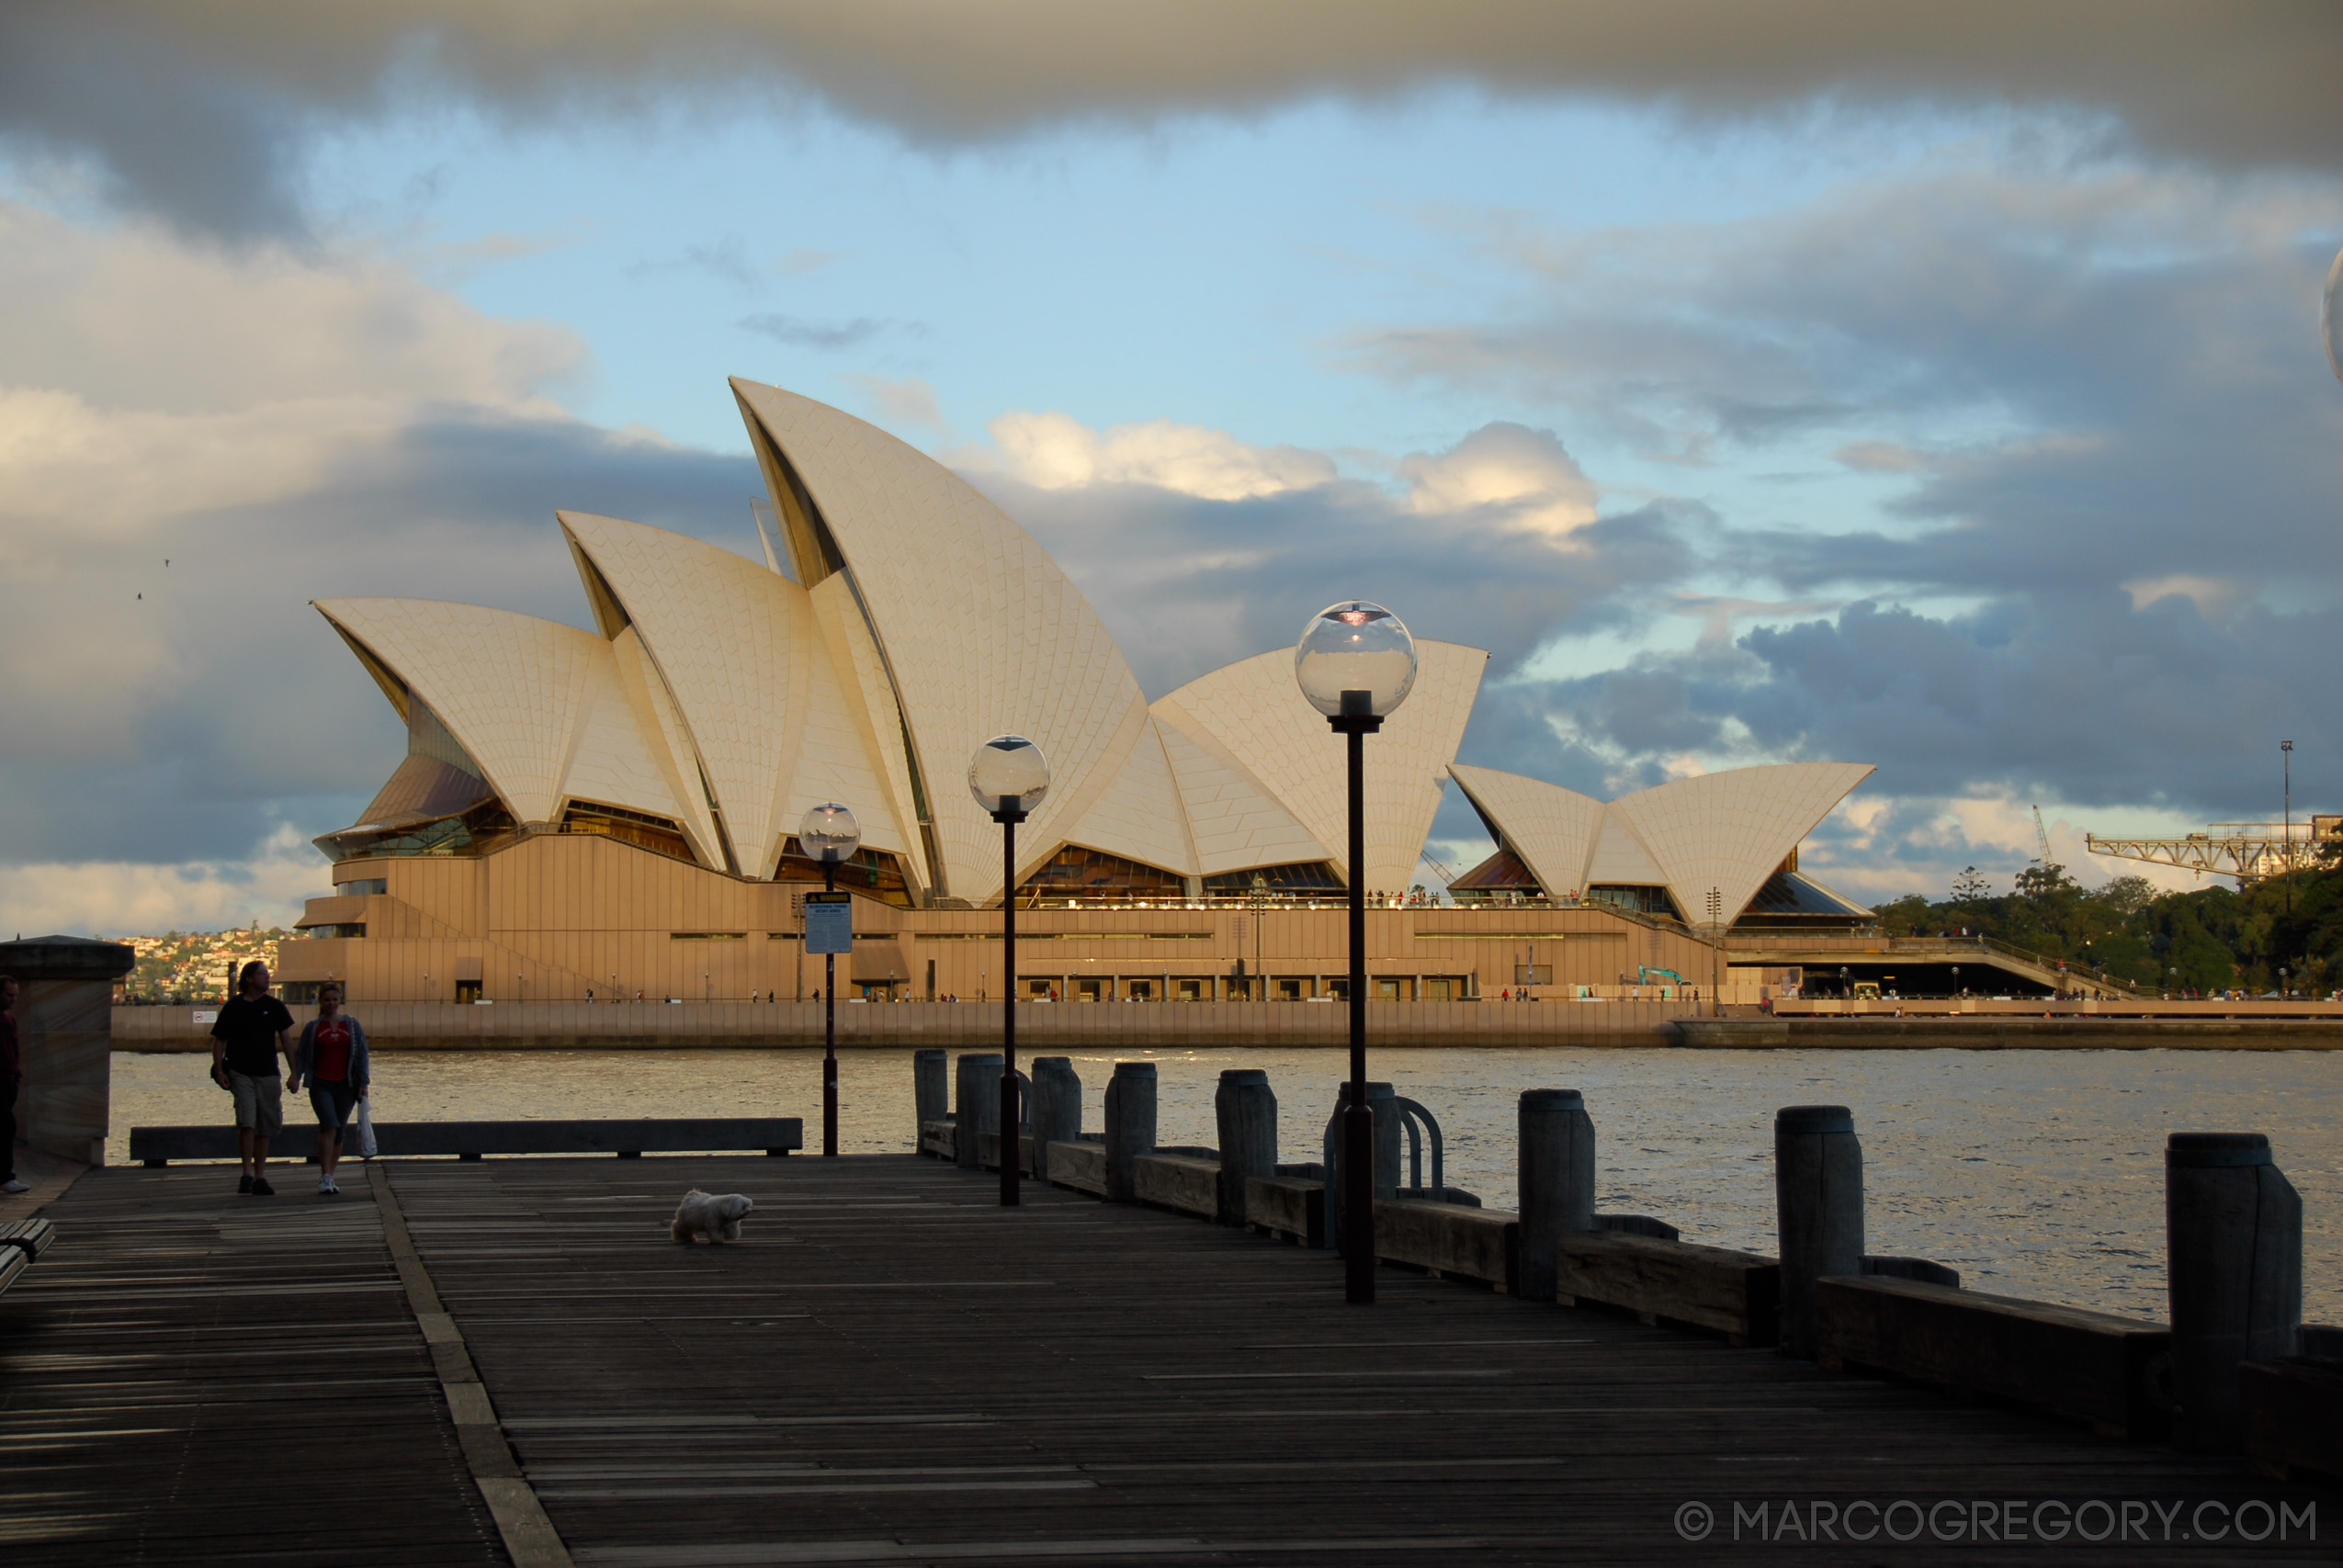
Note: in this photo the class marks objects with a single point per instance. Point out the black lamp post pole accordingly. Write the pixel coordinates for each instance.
(829, 1028)
(1355, 723)
(1009, 815)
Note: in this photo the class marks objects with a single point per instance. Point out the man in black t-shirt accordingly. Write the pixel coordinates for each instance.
(252, 1028)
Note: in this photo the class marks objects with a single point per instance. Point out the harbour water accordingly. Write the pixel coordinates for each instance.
(2036, 1173)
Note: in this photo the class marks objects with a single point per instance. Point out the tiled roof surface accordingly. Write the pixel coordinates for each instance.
(1257, 714)
(984, 632)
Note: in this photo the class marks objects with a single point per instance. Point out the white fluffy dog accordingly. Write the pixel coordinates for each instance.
(704, 1213)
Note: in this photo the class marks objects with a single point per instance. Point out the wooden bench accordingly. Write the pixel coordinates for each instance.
(1454, 1241)
(21, 1242)
(1737, 1294)
(470, 1140)
(2294, 1415)
(1292, 1207)
(2086, 1366)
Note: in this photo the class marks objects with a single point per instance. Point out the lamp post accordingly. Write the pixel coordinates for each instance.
(830, 834)
(1355, 664)
(2286, 755)
(1956, 980)
(1008, 775)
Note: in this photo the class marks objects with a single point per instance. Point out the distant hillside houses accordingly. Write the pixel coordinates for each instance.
(184, 968)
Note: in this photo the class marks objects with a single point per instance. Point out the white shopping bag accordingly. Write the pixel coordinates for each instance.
(364, 1129)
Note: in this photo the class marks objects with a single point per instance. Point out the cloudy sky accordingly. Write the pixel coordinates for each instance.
(1939, 387)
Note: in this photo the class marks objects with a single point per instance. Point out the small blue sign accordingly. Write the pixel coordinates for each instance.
(830, 922)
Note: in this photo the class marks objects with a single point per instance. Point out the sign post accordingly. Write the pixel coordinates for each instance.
(830, 930)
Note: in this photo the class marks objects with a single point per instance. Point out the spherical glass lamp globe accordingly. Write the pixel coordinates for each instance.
(1008, 771)
(829, 835)
(1355, 658)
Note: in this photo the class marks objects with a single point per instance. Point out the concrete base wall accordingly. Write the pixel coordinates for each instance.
(2101, 1033)
(61, 1025)
(559, 1026)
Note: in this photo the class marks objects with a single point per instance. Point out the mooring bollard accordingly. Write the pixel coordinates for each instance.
(977, 1102)
(1130, 1125)
(1818, 1186)
(1056, 1109)
(930, 1092)
(1556, 1175)
(2234, 1257)
(1247, 1109)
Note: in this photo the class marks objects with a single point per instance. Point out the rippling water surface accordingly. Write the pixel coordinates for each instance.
(2035, 1173)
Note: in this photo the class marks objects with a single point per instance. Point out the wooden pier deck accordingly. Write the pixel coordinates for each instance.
(888, 1368)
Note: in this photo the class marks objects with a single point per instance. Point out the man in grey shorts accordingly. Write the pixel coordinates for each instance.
(252, 1028)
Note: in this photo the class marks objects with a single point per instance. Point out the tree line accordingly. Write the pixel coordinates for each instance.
(2209, 939)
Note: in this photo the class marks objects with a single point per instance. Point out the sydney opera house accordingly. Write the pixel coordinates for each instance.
(612, 811)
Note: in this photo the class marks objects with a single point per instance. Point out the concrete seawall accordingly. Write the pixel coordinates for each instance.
(2036, 1033)
(1138, 1026)
(1043, 1027)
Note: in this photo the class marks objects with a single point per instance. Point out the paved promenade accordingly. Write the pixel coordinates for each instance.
(508, 1361)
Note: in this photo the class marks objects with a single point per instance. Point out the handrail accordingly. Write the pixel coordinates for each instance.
(1416, 1119)
(1413, 1111)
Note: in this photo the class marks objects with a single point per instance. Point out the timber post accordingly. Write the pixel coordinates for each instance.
(1555, 1178)
(1130, 1125)
(1056, 1109)
(1819, 1187)
(930, 1091)
(1246, 1108)
(978, 1104)
(2233, 1256)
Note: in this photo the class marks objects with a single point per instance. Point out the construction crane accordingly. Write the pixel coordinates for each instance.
(2246, 851)
(2042, 837)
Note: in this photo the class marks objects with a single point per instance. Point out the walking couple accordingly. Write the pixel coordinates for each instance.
(331, 1056)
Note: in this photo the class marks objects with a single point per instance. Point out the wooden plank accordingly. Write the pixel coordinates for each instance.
(1452, 1240)
(1737, 1294)
(1287, 1206)
(2087, 1365)
(191, 1377)
(891, 1367)
(1178, 1182)
(1080, 1166)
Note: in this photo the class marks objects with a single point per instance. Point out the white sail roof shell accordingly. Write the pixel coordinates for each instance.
(1258, 717)
(741, 652)
(1234, 821)
(1726, 832)
(982, 631)
(1551, 830)
(515, 691)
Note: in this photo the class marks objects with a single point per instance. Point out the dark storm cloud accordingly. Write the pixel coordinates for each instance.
(192, 108)
(2119, 444)
(2068, 696)
(266, 718)
(1187, 585)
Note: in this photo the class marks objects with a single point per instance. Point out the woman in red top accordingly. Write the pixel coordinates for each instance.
(333, 1058)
